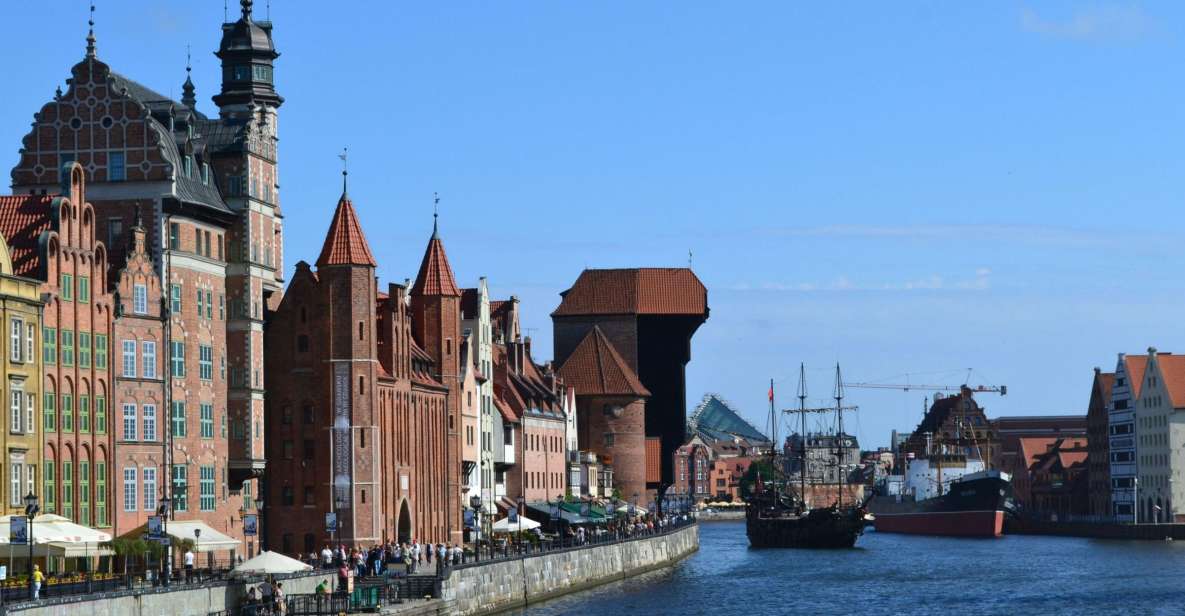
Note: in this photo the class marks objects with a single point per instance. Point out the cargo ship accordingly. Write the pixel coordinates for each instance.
(972, 505)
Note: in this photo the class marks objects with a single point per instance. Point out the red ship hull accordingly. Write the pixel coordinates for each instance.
(945, 523)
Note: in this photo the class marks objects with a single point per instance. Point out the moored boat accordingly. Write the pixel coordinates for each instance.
(972, 505)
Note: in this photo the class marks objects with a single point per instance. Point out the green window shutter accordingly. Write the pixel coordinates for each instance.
(101, 351)
(67, 413)
(50, 410)
(101, 493)
(100, 415)
(49, 345)
(84, 414)
(84, 349)
(67, 347)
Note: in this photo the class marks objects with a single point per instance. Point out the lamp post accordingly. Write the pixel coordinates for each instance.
(31, 509)
(259, 524)
(475, 505)
(197, 539)
(163, 511)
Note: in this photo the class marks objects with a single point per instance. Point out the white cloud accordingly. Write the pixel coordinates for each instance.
(1091, 23)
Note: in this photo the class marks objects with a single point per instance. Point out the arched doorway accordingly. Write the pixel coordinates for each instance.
(404, 526)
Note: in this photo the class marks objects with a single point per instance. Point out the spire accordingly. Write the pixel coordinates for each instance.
(246, 9)
(345, 244)
(345, 169)
(187, 89)
(436, 275)
(435, 215)
(90, 35)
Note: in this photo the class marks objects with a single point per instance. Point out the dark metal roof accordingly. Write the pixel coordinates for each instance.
(716, 420)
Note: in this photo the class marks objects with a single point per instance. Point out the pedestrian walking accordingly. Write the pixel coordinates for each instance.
(38, 579)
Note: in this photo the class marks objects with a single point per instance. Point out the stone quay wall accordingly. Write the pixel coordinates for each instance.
(489, 588)
(187, 600)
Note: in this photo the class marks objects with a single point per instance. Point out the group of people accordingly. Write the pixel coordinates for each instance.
(384, 559)
(269, 599)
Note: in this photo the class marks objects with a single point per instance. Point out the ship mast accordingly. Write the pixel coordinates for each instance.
(802, 417)
(839, 431)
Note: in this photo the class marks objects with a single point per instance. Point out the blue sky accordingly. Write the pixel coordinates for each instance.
(913, 187)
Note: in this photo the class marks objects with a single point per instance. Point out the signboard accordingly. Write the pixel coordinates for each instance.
(343, 446)
(155, 528)
(650, 507)
(3, 572)
(251, 524)
(585, 510)
(512, 516)
(611, 508)
(468, 514)
(18, 530)
(555, 512)
(331, 522)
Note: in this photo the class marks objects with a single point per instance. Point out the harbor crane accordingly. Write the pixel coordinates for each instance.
(983, 389)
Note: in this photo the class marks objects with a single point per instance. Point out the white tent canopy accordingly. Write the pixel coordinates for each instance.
(54, 535)
(210, 540)
(270, 563)
(506, 526)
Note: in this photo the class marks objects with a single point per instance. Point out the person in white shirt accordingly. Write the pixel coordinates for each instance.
(188, 565)
(326, 556)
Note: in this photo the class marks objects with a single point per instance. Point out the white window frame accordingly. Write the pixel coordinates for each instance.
(30, 478)
(148, 359)
(149, 487)
(129, 359)
(140, 299)
(14, 480)
(129, 415)
(129, 489)
(16, 404)
(30, 336)
(30, 413)
(148, 423)
(16, 336)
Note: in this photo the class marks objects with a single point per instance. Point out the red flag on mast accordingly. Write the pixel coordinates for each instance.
(771, 392)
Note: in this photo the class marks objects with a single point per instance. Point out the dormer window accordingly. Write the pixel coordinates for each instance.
(242, 73)
(206, 173)
(188, 166)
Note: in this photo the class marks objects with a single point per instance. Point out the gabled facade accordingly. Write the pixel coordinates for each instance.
(475, 317)
(20, 315)
(1099, 444)
(1122, 428)
(1160, 439)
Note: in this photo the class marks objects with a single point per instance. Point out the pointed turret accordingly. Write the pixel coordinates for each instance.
(436, 276)
(247, 55)
(187, 90)
(345, 244)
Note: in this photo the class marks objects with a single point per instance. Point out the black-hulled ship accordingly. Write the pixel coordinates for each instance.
(777, 517)
(971, 506)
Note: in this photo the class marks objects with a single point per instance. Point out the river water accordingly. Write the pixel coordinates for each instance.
(900, 574)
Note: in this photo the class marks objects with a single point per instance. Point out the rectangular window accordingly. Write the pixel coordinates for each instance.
(84, 414)
(30, 413)
(84, 349)
(49, 406)
(197, 243)
(30, 333)
(149, 475)
(16, 339)
(14, 483)
(148, 358)
(207, 488)
(221, 307)
(116, 172)
(180, 487)
(174, 236)
(67, 288)
(129, 359)
(84, 492)
(68, 489)
(114, 231)
(129, 489)
(129, 422)
(178, 358)
(67, 413)
(51, 487)
(209, 304)
(101, 493)
(175, 298)
(207, 420)
(201, 299)
(84, 289)
(179, 418)
(67, 347)
(49, 345)
(140, 299)
(149, 424)
(16, 407)
(100, 415)
(205, 362)
(100, 351)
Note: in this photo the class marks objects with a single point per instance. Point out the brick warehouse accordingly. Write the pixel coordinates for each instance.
(648, 317)
(372, 433)
(206, 191)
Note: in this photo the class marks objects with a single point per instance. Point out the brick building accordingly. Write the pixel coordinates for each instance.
(52, 240)
(359, 421)
(1099, 444)
(536, 398)
(648, 317)
(955, 425)
(1058, 481)
(207, 192)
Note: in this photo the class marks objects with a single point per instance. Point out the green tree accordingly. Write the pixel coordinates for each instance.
(749, 479)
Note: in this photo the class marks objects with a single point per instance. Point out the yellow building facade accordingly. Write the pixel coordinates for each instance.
(20, 312)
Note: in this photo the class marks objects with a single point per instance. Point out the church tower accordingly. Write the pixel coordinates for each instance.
(436, 326)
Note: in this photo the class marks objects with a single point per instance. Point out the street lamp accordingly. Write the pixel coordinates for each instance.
(31, 509)
(163, 511)
(259, 524)
(197, 539)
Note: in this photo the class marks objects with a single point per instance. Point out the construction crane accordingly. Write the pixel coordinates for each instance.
(985, 389)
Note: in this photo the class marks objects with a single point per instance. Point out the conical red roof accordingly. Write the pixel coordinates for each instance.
(435, 277)
(345, 243)
(596, 368)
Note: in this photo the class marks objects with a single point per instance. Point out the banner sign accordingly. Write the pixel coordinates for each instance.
(512, 516)
(343, 446)
(468, 515)
(251, 524)
(18, 530)
(331, 522)
(155, 528)
(555, 512)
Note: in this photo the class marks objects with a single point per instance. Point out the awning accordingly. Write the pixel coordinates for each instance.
(523, 523)
(54, 535)
(210, 540)
(270, 563)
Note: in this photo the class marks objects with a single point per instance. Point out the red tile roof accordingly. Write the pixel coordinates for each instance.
(23, 218)
(1172, 372)
(596, 368)
(635, 291)
(345, 244)
(435, 277)
(1136, 365)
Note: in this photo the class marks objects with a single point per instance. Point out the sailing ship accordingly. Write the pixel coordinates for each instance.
(777, 517)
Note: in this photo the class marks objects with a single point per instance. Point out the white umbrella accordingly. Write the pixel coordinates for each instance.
(506, 526)
(269, 563)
